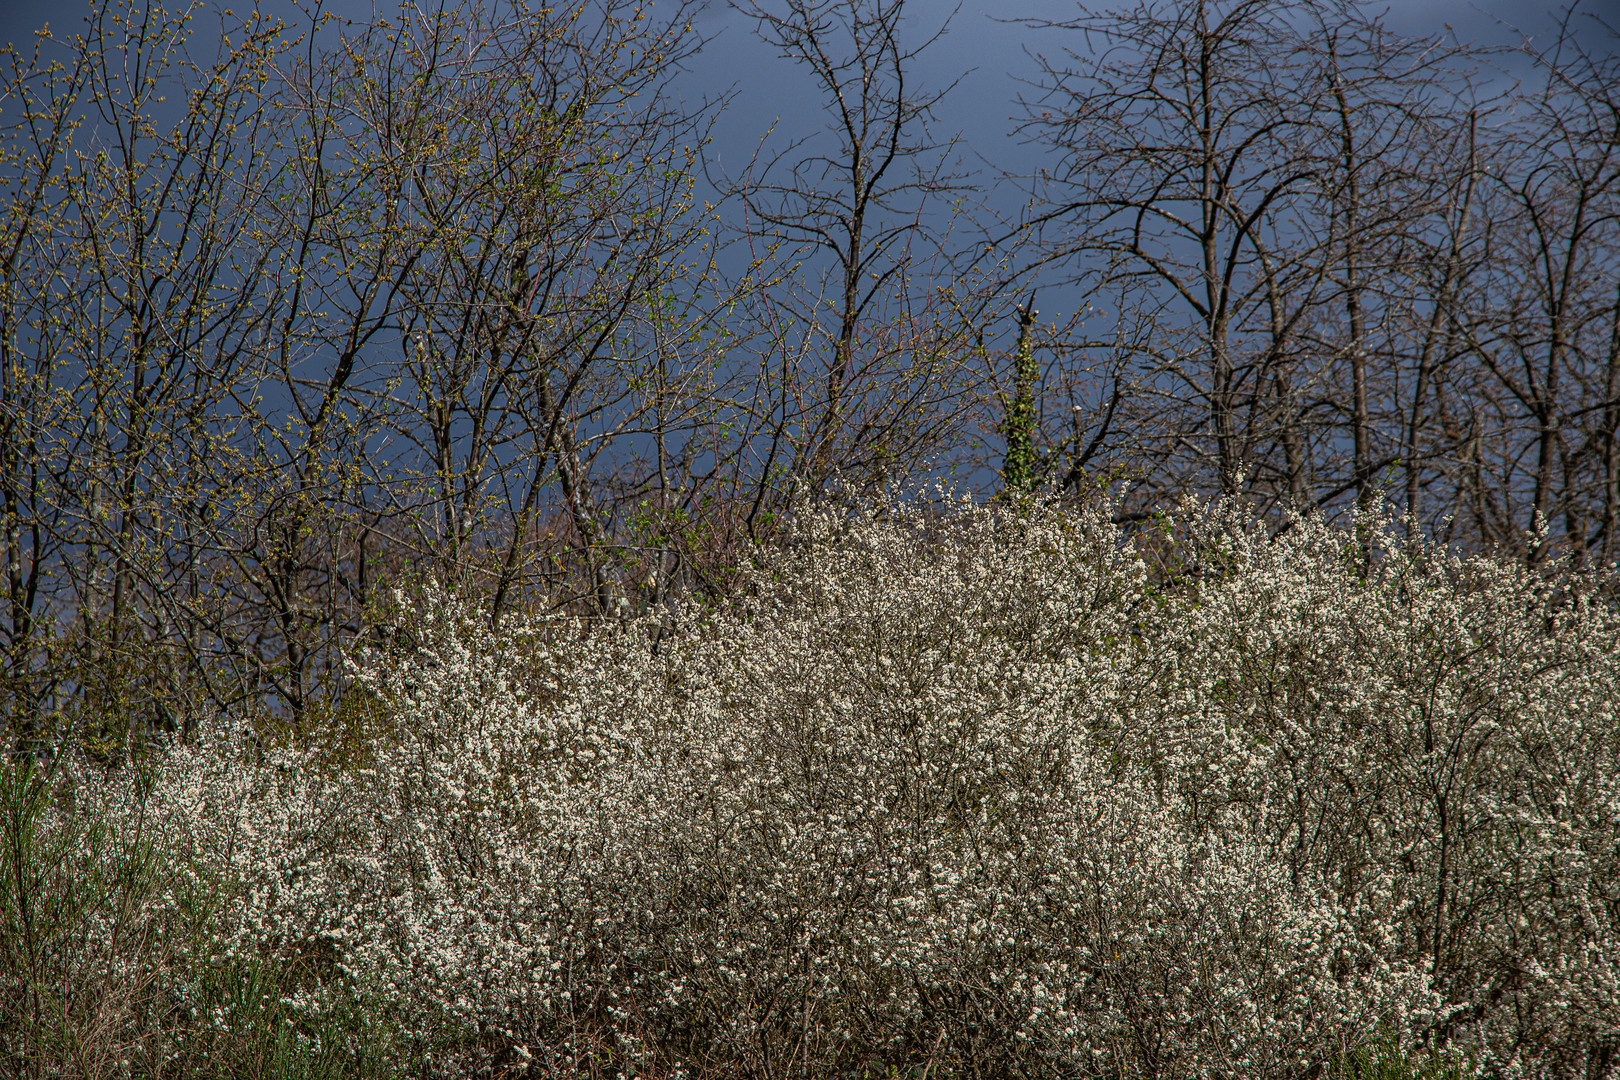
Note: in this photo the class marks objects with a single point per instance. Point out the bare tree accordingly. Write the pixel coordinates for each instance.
(1182, 159)
(1541, 321)
(1395, 236)
(866, 200)
(1274, 210)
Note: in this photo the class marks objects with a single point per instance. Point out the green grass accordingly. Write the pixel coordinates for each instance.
(1385, 1059)
(110, 966)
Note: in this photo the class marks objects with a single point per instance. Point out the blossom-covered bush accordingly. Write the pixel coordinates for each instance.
(976, 792)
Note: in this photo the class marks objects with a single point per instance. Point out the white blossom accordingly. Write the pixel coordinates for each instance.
(978, 789)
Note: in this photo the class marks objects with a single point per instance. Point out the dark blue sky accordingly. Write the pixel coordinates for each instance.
(985, 46)
(978, 39)
(981, 42)
(994, 52)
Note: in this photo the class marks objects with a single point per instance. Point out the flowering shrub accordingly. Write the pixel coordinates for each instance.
(972, 793)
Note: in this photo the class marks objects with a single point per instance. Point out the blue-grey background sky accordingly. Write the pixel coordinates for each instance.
(985, 41)
(981, 41)
(985, 47)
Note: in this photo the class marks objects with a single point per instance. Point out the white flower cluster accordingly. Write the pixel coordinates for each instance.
(979, 789)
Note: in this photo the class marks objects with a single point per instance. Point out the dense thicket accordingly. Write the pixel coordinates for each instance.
(949, 792)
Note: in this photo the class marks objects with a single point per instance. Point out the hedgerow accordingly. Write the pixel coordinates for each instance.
(972, 792)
